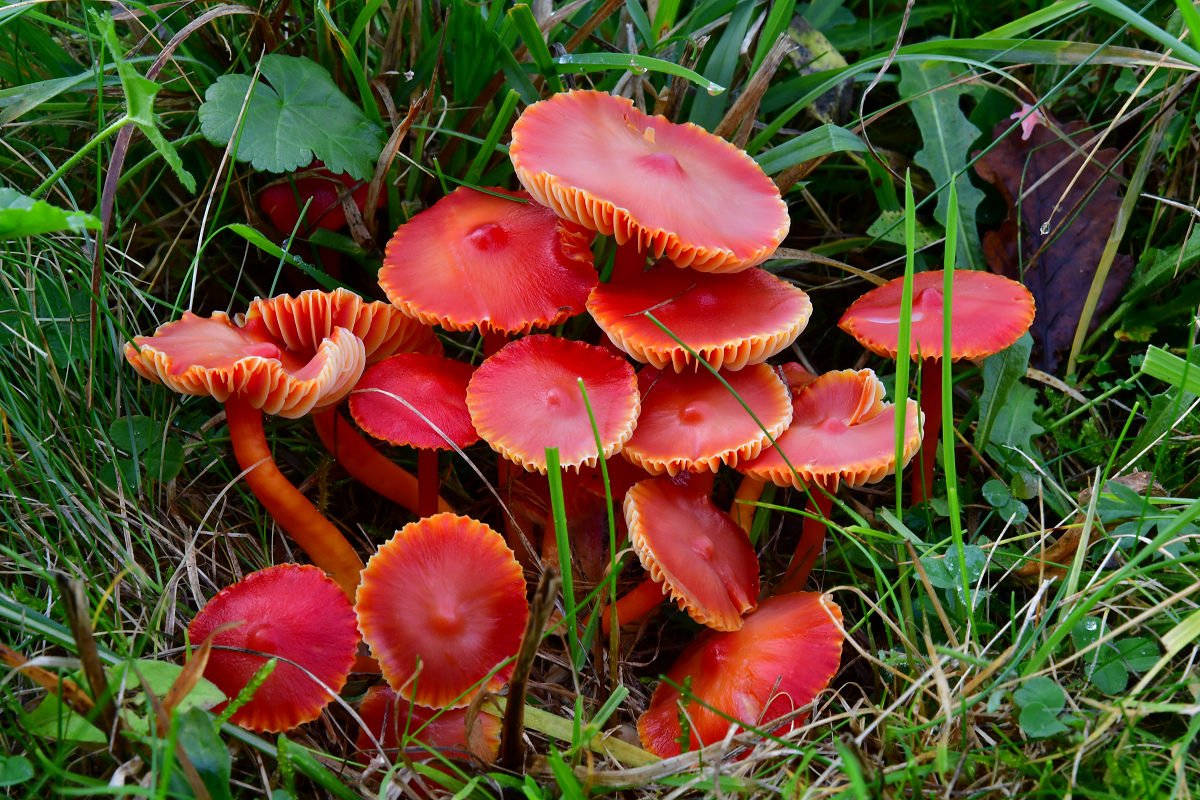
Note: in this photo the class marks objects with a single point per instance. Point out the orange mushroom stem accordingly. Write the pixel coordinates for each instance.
(812, 537)
(308, 527)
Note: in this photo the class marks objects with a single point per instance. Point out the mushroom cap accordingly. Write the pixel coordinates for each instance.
(212, 356)
(445, 593)
(785, 654)
(474, 260)
(988, 313)
(841, 431)
(526, 397)
(691, 421)
(282, 200)
(304, 321)
(435, 386)
(703, 559)
(393, 718)
(676, 189)
(729, 320)
(291, 611)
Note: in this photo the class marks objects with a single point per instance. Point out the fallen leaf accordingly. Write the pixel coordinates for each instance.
(1058, 265)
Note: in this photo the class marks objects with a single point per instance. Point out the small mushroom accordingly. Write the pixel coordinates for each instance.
(526, 398)
(291, 612)
(437, 388)
(253, 374)
(672, 190)
(784, 655)
(442, 605)
(841, 432)
(692, 551)
(988, 314)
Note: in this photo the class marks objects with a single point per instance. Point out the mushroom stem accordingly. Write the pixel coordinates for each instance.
(636, 605)
(931, 408)
(493, 341)
(628, 262)
(366, 464)
(742, 509)
(812, 536)
(428, 503)
(309, 529)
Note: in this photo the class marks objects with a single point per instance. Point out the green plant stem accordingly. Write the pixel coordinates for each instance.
(563, 730)
(79, 154)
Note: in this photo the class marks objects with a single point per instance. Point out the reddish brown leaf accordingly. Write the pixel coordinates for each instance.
(1058, 267)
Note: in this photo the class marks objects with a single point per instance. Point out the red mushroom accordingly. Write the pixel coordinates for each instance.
(672, 190)
(442, 606)
(784, 655)
(526, 398)
(988, 314)
(841, 432)
(254, 374)
(323, 191)
(290, 612)
(436, 388)
(425, 733)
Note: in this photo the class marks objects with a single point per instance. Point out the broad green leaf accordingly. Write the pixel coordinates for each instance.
(297, 115)
(1001, 372)
(889, 227)
(22, 216)
(1015, 426)
(54, 719)
(14, 770)
(947, 135)
(1038, 722)
(1041, 689)
(198, 736)
(1172, 369)
(818, 142)
(160, 676)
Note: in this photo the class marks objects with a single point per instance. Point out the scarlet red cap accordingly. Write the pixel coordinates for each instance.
(290, 611)
(841, 431)
(729, 320)
(784, 656)
(441, 605)
(212, 356)
(526, 398)
(703, 559)
(988, 313)
(497, 263)
(675, 188)
(691, 421)
(435, 386)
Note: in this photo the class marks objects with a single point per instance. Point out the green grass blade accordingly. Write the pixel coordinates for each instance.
(601, 62)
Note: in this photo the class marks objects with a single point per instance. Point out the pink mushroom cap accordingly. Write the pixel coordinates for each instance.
(433, 385)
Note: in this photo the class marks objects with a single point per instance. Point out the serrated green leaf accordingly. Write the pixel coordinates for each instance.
(22, 216)
(1001, 372)
(947, 135)
(299, 114)
(1014, 426)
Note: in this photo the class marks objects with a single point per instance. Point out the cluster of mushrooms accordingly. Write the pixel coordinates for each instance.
(442, 605)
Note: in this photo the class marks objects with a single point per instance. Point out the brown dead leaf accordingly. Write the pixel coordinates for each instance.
(1057, 266)
(1054, 560)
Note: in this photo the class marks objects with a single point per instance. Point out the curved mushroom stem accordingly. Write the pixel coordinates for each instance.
(307, 526)
(742, 509)
(430, 481)
(367, 465)
(931, 407)
(812, 536)
(635, 605)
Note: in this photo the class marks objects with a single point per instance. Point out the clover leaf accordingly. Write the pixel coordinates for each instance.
(297, 115)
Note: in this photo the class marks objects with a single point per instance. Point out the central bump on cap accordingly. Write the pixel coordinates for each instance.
(488, 236)
(704, 548)
(692, 414)
(446, 619)
(554, 398)
(260, 638)
(660, 163)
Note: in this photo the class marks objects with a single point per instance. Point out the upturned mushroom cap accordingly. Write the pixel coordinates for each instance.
(425, 731)
(526, 397)
(290, 611)
(441, 605)
(785, 655)
(691, 422)
(729, 320)
(304, 321)
(433, 385)
(704, 561)
(988, 313)
(676, 189)
(841, 431)
(474, 260)
(212, 356)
